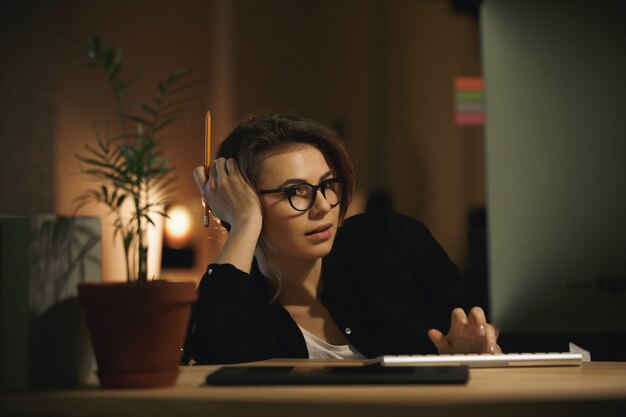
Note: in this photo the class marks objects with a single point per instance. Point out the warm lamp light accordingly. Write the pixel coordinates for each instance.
(178, 226)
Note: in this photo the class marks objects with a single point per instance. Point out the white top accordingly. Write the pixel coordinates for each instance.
(320, 349)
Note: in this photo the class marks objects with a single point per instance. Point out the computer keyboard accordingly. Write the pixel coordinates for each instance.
(487, 360)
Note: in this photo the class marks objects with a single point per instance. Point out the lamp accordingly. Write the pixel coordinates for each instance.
(178, 234)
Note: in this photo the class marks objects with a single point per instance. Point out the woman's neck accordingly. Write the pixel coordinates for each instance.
(301, 279)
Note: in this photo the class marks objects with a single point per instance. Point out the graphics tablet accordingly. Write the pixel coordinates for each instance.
(354, 375)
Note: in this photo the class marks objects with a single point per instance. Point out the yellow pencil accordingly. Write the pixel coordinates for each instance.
(207, 162)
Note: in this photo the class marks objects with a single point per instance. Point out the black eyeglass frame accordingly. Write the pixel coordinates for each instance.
(322, 187)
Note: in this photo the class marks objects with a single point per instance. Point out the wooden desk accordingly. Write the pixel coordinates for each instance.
(594, 389)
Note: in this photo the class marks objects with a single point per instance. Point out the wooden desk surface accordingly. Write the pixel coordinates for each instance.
(596, 387)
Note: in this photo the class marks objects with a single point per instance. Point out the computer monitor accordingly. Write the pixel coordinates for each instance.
(555, 140)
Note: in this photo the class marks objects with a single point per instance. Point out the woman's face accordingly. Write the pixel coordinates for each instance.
(288, 233)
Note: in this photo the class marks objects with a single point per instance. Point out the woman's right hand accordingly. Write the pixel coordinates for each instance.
(228, 194)
(235, 202)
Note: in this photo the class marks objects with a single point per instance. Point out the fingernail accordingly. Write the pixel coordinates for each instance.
(481, 330)
(492, 348)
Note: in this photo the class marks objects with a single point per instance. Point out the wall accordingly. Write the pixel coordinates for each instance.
(434, 168)
(28, 90)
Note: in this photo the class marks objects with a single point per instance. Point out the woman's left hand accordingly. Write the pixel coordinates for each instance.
(468, 334)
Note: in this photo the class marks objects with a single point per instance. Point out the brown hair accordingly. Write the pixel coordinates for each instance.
(258, 135)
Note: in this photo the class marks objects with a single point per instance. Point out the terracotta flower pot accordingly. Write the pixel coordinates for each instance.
(137, 330)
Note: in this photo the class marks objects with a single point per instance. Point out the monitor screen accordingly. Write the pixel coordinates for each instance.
(555, 140)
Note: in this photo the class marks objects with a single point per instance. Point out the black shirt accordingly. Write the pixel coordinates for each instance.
(386, 282)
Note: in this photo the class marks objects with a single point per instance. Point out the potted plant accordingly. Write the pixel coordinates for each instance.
(137, 327)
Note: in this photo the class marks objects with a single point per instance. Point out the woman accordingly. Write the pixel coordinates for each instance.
(294, 280)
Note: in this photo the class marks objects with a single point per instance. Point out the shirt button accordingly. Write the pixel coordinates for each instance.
(348, 330)
(210, 271)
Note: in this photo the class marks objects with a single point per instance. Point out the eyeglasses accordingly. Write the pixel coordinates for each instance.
(302, 196)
